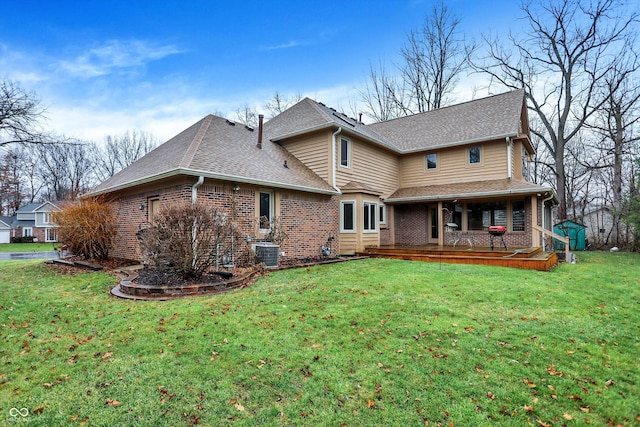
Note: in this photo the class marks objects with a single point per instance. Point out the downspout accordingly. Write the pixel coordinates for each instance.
(333, 158)
(194, 189)
(544, 201)
(194, 228)
(509, 158)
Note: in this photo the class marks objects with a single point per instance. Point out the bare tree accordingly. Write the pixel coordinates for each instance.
(433, 59)
(65, 170)
(119, 151)
(20, 114)
(561, 61)
(278, 103)
(247, 116)
(11, 193)
(382, 94)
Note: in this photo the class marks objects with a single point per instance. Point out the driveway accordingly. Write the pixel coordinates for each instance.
(4, 256)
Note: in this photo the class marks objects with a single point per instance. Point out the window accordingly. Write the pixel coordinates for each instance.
(525, 164)
(347, 216)
(154, 208)
(474, 155)
(27, 232)
(383, 214)
(432, 161)
(51, 235)
(481, 215)
(265, 210)
(369, 216)
(345, 153)
(47, 217)
(517, 215)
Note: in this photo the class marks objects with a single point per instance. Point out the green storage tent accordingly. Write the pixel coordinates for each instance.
(574, 231)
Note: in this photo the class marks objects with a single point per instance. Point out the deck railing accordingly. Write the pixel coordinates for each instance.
(563, 239)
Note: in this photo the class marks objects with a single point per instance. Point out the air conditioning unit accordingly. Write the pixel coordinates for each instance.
(267, 253)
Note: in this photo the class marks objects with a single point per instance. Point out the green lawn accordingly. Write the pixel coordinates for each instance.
(369, 342)
(27, 247)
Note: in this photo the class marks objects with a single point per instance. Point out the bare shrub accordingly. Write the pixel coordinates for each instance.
(189, 239)
(88, 228)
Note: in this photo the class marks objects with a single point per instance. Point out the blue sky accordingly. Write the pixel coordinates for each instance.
(104, 67)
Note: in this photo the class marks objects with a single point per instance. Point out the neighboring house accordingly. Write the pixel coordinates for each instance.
(323, 174)
(5, 229)
(32, 220)
(601, 229)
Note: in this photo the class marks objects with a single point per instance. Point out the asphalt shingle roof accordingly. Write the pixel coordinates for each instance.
(218, 148)
(478, 120)
(498, 187)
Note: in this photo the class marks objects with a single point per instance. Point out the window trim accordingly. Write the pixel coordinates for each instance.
(426, 161)
(382, 214)
(479, 155)
(271, 209)
(348, 153)
(27, 231)
(353, 216)
(369, 224)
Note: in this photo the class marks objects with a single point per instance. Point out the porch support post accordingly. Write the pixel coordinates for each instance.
(535, 234)
(440, 224)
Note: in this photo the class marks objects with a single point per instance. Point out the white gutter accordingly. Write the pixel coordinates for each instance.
(334, 148)
(465, 195)
(212, 175)
(509, 159)
(194, 189)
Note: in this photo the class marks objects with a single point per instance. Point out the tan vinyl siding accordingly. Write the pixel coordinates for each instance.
(374, 166)
(314, 151)
(517, 160)
(453, 166)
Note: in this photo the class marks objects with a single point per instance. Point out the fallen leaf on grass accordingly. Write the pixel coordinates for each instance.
(112, 402)
(528, 408)
(107, 355)
(587, 410)
(529, 383)
(239, 407)
(490, 395)
(567, 417)
(371, 404)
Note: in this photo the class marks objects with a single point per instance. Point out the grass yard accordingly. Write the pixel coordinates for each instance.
(27, 247)
(361, 343)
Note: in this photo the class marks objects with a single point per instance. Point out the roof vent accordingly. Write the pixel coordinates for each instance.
(249, 128)
(230, 123)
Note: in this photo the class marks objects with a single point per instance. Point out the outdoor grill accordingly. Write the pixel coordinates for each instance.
(498, 231)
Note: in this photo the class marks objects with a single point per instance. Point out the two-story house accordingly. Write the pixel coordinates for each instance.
(322, 174)
(33, 220)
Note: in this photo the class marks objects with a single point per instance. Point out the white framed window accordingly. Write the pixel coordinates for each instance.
(27, 232)
(383, 214)
(432, 161)
(474, 155)
(46, 217)
(345, 153)
(369, 215)
(348, 216)
(265, 210)
(51, 234)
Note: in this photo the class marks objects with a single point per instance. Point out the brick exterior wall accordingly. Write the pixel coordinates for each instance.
(410, 224)
(308, 220)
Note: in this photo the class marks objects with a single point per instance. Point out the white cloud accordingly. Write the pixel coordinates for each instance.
(116, 55)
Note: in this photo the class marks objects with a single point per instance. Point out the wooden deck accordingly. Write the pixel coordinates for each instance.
(525, 258)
